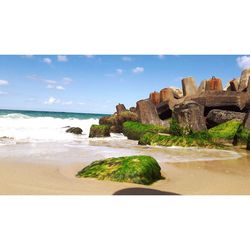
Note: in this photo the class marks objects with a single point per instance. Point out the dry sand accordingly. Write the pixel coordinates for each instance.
(214, 177)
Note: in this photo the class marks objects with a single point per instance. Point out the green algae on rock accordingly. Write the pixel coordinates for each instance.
(99, 131)
(140, 169)
(194, 140)
(134, 130)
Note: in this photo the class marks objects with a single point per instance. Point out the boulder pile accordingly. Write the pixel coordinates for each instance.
(194, 108)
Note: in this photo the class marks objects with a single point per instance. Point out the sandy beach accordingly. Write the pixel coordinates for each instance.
(207, 177)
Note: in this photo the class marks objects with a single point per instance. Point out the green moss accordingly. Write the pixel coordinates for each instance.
(99, 131)
(175, 128)
(193, 140)
(242, 134)
(134, 130)
(226, 130)
(134, 169)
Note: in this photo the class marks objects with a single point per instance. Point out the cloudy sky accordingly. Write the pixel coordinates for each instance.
(95, 84)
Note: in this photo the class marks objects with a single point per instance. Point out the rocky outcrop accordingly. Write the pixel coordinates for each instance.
(147, 113)
(226, 100)
(248, 86)
(214, 84)
(218, 116)
(202, 87)
(166, 95)
(164, 111)
(189, 115)
(234, 84)
(99, 131)
(115, 121)
(74, 130)
(132, 109)
(189, 86)
(244, 79)
(154, 97)
(120, 108)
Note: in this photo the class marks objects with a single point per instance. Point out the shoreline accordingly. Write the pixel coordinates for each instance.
(227, 177)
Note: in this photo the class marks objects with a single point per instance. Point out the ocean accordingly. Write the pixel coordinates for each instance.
(28, 126)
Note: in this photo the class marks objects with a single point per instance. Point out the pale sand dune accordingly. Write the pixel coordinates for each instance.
(214, 177)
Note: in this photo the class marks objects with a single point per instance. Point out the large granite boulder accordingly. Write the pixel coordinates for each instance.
(120, 108)
(218, 116)
(147, 113)
(248, 86)
(234, 84)
(226, 100)
(202, 87)
(244, 79)
(74, 130)
(189, 86)
(214, 84)
(132, 109)
(154, 97)
(166, 94)
(189, 116)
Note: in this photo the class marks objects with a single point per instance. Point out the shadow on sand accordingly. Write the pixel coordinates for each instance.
(142, 191)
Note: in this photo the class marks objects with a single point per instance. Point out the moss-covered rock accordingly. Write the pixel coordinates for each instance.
(225, 131)
(195, 140)
(140, 169)
(135, 130)
(115, 121)
(99, 131)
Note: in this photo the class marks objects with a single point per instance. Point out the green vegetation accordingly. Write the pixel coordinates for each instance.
(242, 134)
(226, 130)
(134, 130)
(99, 131)
(175, 128)
(134, 169)
(192, 140)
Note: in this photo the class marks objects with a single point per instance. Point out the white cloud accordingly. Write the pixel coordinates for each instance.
(62, 58)
(119, 71)
(3, 93)
(243, 62)
(59, 87)
(4, 82)
(52, 100)
(67, 80)
(126, 59)
(47, 60)
(49, 86)
(138, 70)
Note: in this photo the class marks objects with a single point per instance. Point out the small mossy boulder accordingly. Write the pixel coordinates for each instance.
(74, 130)
(139, 169)
(135, 130)
(226, 130)
(99, 131)
(195, 140)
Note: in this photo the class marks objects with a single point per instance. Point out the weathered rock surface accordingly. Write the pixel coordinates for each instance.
(74, 130)
(189, 115)
(202, 87)
(248, 86)
(166, 95)
(147, 113)
(177, 92)
(120, 108)
(99, 131)
(226, 100)
(132, 109)
(154, 97)
(115, 121)
(189, 86)
(234, 84)
(214, 84)
(246, 122)
(164, 111)
(244, 79)
(218, 116)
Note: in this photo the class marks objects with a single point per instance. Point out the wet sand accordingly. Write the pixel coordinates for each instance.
(207, 177)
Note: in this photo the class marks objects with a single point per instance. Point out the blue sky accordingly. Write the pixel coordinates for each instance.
(95, 84)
